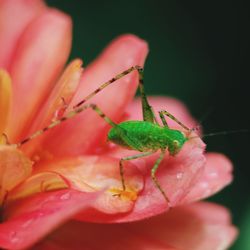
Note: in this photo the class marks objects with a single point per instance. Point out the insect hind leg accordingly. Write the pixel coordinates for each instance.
(106, 84)
(71, 114)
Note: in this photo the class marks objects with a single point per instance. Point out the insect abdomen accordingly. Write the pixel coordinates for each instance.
(144, 136)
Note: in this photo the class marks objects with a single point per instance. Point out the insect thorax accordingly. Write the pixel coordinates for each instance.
(145, 136)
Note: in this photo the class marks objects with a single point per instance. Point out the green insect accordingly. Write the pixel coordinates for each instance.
(147, 136)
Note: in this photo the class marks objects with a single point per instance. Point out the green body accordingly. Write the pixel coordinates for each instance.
(145, 136)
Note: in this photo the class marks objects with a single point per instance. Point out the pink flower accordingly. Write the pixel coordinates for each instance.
(70, 172)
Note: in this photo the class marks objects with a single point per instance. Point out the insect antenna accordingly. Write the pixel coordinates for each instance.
(202, 119)
(221, 133)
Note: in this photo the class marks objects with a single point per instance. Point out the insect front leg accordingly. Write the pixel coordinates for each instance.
(133, 157)
(164, 112)
(153, 175)
(164, 122)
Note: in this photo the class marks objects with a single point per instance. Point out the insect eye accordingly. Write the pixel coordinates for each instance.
(176, 143)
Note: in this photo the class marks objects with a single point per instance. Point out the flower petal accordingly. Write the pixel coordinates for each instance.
(5, 99)
(33, 218)
(198, 226)
(86, 130)
(42, 51)
(12, 28)
(38, 183)
(217, 174)
(55, 105)
(176, 175)
(93, 173)
(14, 168)
(65, 88)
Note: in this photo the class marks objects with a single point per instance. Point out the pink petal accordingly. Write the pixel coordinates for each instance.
(33, 218)
(90, 174)
(176, 175)
(11, 28)
(217, 174)
(42, 51)
(88, 129)
(199, 226)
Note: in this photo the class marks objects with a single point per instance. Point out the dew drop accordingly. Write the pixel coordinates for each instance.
(179, 176)
(27, 223)
(13, 237)
(213, 175)
(65, 196)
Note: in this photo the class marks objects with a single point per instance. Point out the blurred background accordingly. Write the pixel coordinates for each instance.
(198, 54)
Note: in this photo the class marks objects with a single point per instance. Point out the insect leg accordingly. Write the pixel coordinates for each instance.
(153, 172)
(133, 157)
(164, 122)
(65, 118)
(147, 110)
(104, 85)
(148, 113)
(164, 112)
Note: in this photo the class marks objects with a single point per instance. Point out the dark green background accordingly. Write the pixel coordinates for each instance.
(198, 53)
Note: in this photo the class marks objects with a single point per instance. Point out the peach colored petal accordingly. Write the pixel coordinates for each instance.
(38, 183)
(198, 226)
(5, 99)
(93, 173)
(56, 104)
(14, 168)
(42, 51)
(33, 218)
(65, 88)
(12, 28)
(87, 129)
(217, 174)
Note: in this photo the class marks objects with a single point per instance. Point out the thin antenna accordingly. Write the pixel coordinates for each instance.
(205, 115)
(222, 133)
(226, 132)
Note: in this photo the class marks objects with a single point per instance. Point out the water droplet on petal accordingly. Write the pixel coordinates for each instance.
(65, 196)
(179, 176)
(13, 237)
(213, 175)
(27, 223)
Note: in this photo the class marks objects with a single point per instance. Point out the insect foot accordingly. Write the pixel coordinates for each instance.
(126, 195)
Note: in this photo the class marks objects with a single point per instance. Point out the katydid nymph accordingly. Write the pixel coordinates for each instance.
(147, 136)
